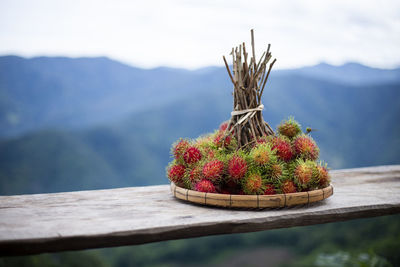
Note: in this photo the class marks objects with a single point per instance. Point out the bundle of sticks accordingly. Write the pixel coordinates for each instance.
(249, 79)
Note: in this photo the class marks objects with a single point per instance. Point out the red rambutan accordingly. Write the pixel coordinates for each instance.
(195, 174)
(253, 184)
(192, 155)
(223, 126)
(176, 173)
(237, 167)
(323, 176)
(261, 141)
(219, 140)
(213, 170)
(269, 190)
(289, 187)
(283, 148)
(180, 148)
(305, 147)
(205, 186)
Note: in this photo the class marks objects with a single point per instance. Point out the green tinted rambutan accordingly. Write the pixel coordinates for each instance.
(253, 184)
(262, 155)
(237, 167)
(206, 145)
(305, 172)
(176, 173)
(288, 187)
(210, 153)
(192, 155)
(305, 147)
(323, 176)
(179, 148)
(276, 170)
(205, 186)
(289, 128)
(204, 141)
(282, 147)
(269, 189)
(213, 170)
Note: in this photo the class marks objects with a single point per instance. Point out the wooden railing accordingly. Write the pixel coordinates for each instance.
(40, 223)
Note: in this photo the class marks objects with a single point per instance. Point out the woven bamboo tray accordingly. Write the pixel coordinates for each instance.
(251, 201)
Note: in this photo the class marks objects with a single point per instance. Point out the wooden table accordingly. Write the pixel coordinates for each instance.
(40, 223)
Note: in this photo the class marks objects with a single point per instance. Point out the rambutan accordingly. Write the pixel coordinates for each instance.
(213, 170)
(303, 172)
(305, 147)
(237, 167)
(276, 170)
(269, 190)
(323, 176)
(192, 155)
(262, 154)
(261, 141)
(176, 173)
(209, 153)
(179, 148)
(204, 141)
(282, 147)
(195, 174)
(289, 128)
(253, 184)
(223, 126)
(205, 186)
(288, 187)
(220, 142)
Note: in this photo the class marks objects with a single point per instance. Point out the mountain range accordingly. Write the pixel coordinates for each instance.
(88, 123)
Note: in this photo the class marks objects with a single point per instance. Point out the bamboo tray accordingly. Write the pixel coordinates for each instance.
(251, 201)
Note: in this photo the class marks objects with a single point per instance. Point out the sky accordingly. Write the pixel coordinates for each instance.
(194, 34)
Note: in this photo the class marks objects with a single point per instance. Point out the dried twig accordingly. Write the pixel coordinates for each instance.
(249, 79)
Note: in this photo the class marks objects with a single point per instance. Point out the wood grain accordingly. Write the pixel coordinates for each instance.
(103, 218)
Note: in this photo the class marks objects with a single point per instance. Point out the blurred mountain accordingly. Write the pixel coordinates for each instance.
(350, 73)
(67, 93)
(356, 123)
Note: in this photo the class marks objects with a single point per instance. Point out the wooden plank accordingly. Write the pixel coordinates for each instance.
(103, 218)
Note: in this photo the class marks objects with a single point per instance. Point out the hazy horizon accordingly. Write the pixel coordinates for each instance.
(193, 69)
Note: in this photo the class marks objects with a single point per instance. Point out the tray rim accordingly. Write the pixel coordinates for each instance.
(251, 201)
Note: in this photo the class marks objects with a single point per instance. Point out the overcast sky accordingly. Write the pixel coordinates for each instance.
(193, 34)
